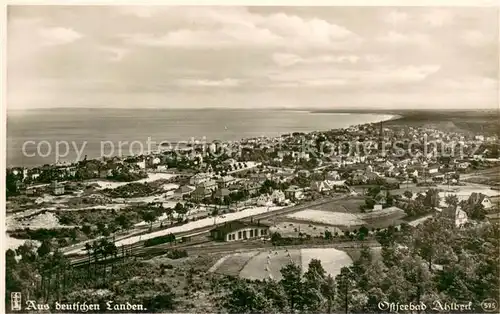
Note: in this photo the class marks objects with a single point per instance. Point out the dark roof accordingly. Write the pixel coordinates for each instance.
(237, 225)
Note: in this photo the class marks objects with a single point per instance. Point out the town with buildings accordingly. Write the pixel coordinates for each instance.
(246, 210)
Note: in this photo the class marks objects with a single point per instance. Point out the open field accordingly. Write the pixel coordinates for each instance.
(105, 184)
(384, 218)
(332, 260)
(13, 243)
(234, 263)
(329, 218)
(46, 220)
(268, 264)
(259, 265)
(378, 219)
(343, 205)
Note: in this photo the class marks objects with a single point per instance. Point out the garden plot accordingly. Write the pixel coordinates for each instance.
(268, 264)
(327, 218)
(332, 260)
(232, 264)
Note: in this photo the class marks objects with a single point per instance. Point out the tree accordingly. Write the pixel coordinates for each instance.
(292, 285)
(451, 200)
(314, 278)
(164, 300)
(431, 198)
(44, 249)
(179, 208)
(149, 216)
(123, 221)
(408, 194)
(87, 230)
(245, 299)
(345, 283)
(328, 235)
(328, 292)
(389, 199)
(11, 184)
(88, 249)
(363, 232)
(275, 294)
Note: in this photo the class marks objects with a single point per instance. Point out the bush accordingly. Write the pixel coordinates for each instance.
(176, 254)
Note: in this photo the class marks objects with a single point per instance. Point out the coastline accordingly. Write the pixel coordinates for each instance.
(376, 119)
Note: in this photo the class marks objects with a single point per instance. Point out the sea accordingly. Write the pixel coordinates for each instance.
(60, 135)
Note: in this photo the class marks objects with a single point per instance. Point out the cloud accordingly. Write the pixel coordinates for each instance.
(312, 83)
(395, 17)
(397, 38)
(137, 11)
(354, 78)
(115, 54)
(236, 27)
(475, 38)
(32, 31)
(226, 37)
(54, 36)
(409, 73)
(287, 59)
(437, 18)
(227, 82)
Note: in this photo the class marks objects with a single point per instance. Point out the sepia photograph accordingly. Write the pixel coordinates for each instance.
(251, 158)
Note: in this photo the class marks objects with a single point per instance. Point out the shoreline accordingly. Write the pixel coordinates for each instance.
(385, 118)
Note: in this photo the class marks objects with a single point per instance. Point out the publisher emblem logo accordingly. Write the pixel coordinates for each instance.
(15, 301)
(489, 305)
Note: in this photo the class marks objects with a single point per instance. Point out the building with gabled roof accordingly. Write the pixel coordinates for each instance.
(239, 230)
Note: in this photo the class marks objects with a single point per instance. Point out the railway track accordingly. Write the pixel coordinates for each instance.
(205, 230)
(138, 249)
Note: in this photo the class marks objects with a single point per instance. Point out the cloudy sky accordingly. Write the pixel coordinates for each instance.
(252, 57)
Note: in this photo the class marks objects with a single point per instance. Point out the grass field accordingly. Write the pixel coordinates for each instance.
(345, 205)
(259, 265)
(268, 264)
(328, 218)
(332, 260)
(378, 219)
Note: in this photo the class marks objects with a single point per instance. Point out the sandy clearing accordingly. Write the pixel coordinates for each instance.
(379, 214)
(105, 184)
(218, 263)
(234, 263)
(47, 220)
(268, 264)
(332, 260)
(13, 243)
